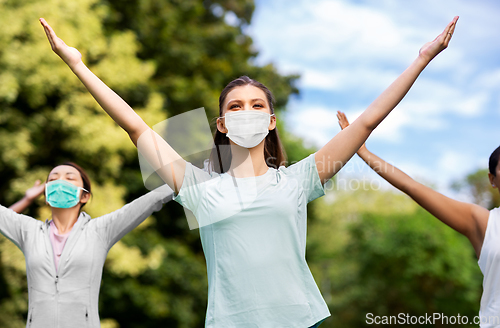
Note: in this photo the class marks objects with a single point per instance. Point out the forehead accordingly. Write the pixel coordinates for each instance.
(64, 169)
(246, 92)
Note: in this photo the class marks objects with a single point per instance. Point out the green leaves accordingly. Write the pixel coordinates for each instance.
(379, 252)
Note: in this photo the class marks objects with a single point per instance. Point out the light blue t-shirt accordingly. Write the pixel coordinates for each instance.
(253, 232)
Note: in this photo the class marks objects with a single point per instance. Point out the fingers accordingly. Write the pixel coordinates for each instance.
(37, 183)
(450, 28)
(343, 122)
(51, 35)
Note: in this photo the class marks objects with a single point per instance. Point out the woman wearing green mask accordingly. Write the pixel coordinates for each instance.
(251, 209)
(65, 256)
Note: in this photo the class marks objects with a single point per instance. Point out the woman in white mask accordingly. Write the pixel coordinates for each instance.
(65, 255)
(251, 209)
(475, 222)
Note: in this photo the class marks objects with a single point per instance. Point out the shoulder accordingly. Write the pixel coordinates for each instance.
(303, 165)
(85, 220)
(481, 214)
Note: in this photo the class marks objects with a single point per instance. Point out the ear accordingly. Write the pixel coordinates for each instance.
(220, 125)
(272, 125)
(492, 180)
(85, 197)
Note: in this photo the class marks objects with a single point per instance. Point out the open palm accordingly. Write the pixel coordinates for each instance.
(70, 55)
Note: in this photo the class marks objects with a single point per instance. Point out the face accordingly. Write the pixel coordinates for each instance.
(245, 97)
(71, 175)
(495, 180)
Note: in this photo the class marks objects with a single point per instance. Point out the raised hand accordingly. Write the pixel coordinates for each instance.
(70, 55)
(35, 191)
(431, 49)
(344, 123)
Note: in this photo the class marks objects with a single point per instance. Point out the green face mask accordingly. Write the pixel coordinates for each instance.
(62, 194)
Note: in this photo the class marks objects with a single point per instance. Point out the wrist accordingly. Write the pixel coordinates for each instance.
(28, 199)
(422, 61)
(77, 66)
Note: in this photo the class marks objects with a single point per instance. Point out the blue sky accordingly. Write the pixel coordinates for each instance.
(348, 52)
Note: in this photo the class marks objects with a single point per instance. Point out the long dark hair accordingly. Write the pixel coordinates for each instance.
(220, 157)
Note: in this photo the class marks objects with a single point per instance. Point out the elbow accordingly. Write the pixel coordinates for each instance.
(135, 133)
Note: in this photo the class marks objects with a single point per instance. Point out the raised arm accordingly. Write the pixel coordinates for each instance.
(151, 145)
(335, 154)
(113, 226)
(30, 195)
(468, 219)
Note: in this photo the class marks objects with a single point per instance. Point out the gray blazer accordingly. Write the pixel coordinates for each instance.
(69, 298)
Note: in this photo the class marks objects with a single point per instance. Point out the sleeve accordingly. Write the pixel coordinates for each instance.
(113, 226)
(193, 187)
(14, 226)
(307, 176)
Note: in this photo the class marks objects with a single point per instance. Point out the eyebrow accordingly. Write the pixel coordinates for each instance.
(238, 100)
(57, 173)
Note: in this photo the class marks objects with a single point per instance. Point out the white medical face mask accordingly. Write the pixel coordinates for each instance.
(247, 128)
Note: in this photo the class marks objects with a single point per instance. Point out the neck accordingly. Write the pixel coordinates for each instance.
(247, 162)
(65, 218)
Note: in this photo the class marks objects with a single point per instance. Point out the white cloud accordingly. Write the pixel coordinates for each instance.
(355, 49)
(317, 125)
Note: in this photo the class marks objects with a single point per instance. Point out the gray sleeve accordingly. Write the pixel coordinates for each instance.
(14, 226)
(113, 226)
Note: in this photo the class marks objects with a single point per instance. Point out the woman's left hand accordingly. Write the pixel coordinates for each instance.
(431, 49)
(70, 55)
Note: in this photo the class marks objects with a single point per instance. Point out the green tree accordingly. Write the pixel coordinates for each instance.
(477, 185)
(379, 252)
(163, 58)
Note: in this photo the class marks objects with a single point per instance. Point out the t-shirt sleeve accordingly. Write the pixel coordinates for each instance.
(113, 226)
(193, 187)
(14, 226)
(307, 176)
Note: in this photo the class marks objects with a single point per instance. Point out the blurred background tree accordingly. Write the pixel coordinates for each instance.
(369, 251)
(163, 58)
(379, 252)
(477, 186)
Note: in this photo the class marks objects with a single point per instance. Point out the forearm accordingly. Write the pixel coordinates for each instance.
(112, 103)
(391, 96)
(344, 145)
(388, 172)
(21, 205)
(456, 215)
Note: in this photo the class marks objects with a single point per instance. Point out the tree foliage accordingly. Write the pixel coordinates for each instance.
(477, 186)
(369, 251)
(379, 252)
(163, 58)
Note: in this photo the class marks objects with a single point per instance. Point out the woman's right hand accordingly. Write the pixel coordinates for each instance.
(71, 56)
(35, 191)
